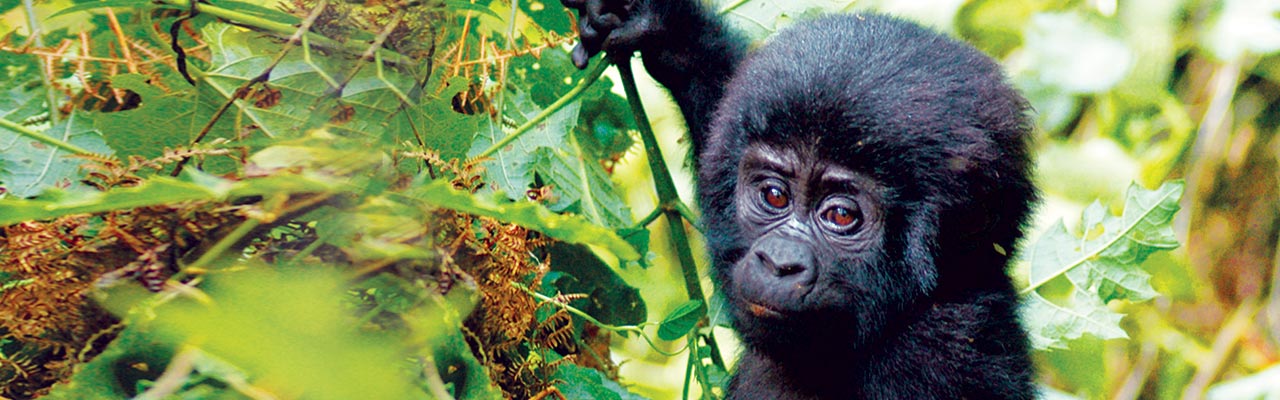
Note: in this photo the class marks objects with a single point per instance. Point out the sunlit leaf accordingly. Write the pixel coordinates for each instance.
(154, 191)
(1050, 325)
(1065, 51)
(586, 383)
(290, 334)
(682, 320)
(1102, 263)
(31, 166)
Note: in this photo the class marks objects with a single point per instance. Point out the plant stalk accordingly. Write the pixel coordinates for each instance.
(668, 198)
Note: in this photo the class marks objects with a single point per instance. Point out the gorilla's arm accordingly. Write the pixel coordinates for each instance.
(685, 47)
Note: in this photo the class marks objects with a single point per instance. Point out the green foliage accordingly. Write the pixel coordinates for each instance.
(34, 160)
(586, 383)
(570, 228)
(355, 231)
(682, 320)
(350, 166)
(1102, 263)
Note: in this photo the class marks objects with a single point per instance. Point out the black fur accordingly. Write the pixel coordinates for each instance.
(925, 142)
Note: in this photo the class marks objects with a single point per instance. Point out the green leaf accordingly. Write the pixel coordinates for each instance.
(462, 6)
(30, 166)
(569, 228)
(994, 26)
(1105, 259)
(548, 155)
(681, 321)
(1102, 263)
(289, 331)
(162, 120)
(134, 355)
(298, 89)
(609, 298)
(585, 383)
(154, 191)
(1051, 325)
(440, 127)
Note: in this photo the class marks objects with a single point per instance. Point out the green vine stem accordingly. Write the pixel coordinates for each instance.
(42, 138)
(573, 94)
(668, 199)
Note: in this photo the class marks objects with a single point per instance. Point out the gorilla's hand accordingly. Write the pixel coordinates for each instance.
(619, 26)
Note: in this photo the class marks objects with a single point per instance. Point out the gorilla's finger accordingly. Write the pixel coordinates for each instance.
(580, 56)
(593, 10)
(591, 39)
(607, 22)
(630, 35)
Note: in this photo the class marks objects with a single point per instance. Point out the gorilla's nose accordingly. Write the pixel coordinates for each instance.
(785, 259)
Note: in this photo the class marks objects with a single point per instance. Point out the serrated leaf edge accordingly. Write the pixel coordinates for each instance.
(1170, 192)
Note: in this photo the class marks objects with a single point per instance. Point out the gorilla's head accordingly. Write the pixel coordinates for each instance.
(857, 170)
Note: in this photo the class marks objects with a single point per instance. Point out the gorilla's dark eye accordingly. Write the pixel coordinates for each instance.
(843, 216)
(774, 196)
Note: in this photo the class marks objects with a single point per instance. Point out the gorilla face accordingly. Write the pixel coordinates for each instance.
(840, 198)
(815, 260)
(812, 228)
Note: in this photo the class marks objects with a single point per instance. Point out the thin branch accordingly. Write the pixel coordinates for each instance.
(668, 198)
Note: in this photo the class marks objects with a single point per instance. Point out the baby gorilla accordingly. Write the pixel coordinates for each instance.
(863, 181)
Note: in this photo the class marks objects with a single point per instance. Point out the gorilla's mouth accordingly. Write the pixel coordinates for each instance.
(762, 311)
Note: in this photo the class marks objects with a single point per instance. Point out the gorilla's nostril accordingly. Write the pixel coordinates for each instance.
(788, 269)
(785, 264)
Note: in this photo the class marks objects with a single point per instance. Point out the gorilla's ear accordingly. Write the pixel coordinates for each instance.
(922, 245)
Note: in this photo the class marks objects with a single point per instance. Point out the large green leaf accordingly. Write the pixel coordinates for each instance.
(1102, 263)
(366, 102)
(585, 383)
(163, 120)
(548, 155)
(682, 320)
(30, 166)
(1051, 325)
(439, 127)
(290, 332)
(154, 191)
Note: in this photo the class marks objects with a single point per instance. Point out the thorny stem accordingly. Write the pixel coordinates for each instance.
(668, 198)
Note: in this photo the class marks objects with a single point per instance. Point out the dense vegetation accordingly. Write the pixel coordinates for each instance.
(318, 199)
